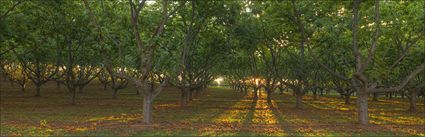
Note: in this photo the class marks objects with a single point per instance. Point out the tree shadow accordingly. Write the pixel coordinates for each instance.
(248, 119)
(205, 110)
(278, 115)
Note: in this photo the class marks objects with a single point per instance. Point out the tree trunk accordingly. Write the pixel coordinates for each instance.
(347, 99)
(375, 96)
(255, 94)
(23, 90)
(104, 87)
(73, 92)
(412, 100)
(80, 89)
(281, 91)
(190, 94)
(246, 91)
(423, 96)
(58, 84)
(362, 107)
(147, 108)
(298, 101)
(314, 95)
(37, 89)
(197, 91)
(269, 95)
(402, 94)
(115, 95)
(183, 100)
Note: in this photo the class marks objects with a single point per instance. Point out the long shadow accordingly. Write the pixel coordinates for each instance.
(278, 115)
(349, 117)
(210, 110)
(203, 110)
(248, 119)
(349, 114)
(292, 122)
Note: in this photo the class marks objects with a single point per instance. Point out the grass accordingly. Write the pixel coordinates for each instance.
(217, 112)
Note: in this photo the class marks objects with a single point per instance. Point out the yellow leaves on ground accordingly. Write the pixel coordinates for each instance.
(235, 114)
(218, 112)
(123, 118)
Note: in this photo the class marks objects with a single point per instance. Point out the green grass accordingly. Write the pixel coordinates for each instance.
(218, 111)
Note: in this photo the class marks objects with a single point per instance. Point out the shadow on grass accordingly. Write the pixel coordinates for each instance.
(200, 118)
(248, 120)
(278, 115)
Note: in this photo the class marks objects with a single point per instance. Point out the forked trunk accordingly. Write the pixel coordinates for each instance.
(147, 108)
(362, 107)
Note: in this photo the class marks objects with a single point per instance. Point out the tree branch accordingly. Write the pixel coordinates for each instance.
(402, 83)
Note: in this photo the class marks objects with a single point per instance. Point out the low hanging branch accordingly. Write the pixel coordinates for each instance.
(402, 84)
